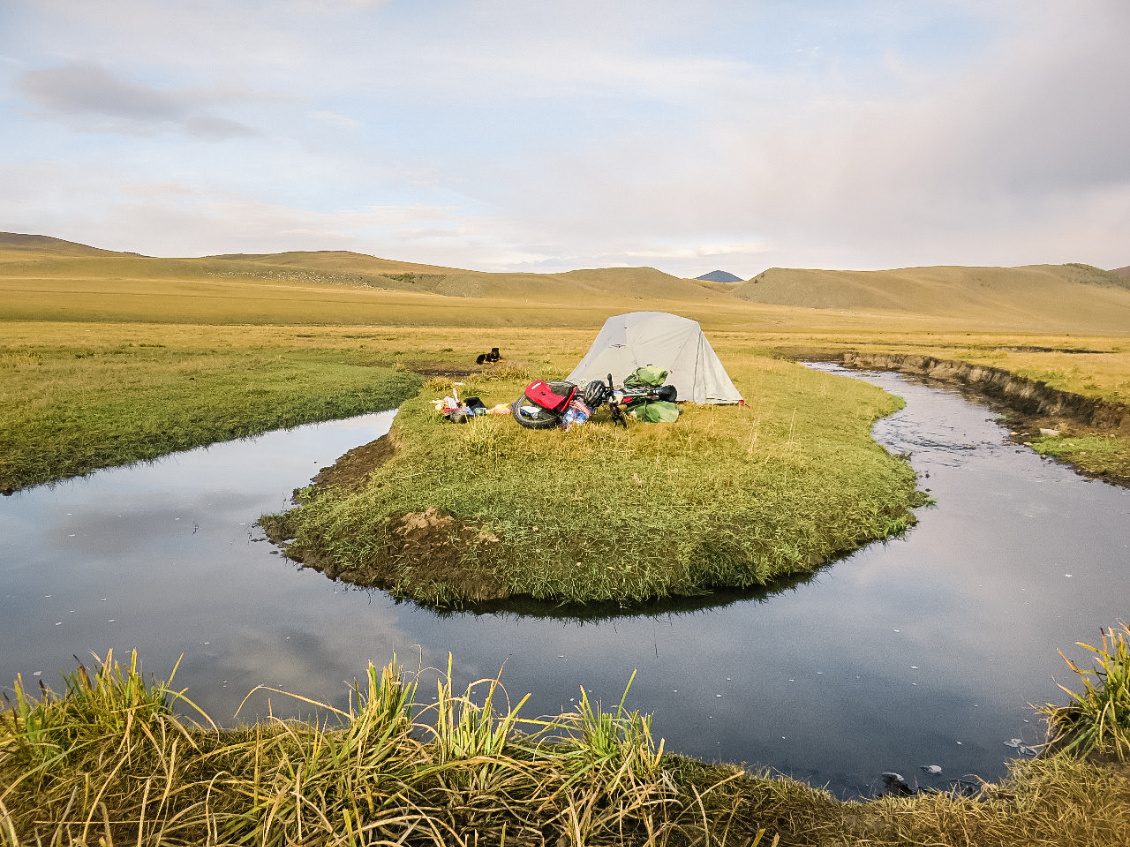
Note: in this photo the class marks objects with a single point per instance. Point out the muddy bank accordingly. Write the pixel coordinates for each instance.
(428, 549)
(1031, 398)
(425, 554)
(353, 469)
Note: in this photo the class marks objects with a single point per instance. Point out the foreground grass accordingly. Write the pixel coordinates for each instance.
(1097, 720)
(726, 496)
(110, 762)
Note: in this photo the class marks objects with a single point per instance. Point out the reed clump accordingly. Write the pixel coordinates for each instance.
(113, 761)
(109, 762)
(1097, 720)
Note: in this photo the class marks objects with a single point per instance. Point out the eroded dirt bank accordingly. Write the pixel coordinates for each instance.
(1036, 414)
(1035, 400)
(425, 548)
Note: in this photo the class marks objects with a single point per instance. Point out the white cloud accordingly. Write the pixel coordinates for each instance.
(570, 134)
(87, 96)
(336, 119)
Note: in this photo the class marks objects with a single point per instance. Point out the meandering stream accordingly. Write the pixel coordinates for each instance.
(925, 650)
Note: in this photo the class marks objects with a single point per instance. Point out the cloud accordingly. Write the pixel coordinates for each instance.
(580, 133)
(1000, 161)
(212, 128)
(86, 95)
(336, 119)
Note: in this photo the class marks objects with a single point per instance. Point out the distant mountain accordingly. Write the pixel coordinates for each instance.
(719, 276)
(1122, 272)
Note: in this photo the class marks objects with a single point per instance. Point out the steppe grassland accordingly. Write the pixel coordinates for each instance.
(52, 370)
(68, 325)
(1089, 364)
(1054, 801)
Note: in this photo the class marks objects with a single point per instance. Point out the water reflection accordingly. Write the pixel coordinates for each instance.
(923, 650)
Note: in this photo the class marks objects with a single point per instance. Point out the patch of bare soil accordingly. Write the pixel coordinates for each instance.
(353, 469)
(430, 554)
(1112, 763)
(449, 372)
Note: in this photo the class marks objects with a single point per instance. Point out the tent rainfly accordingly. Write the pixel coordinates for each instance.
(667, 341)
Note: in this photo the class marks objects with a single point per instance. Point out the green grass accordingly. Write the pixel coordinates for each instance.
(466, 769)
(1098, 454)
(1097, 720)
(726, 496)
(110, 762)
(66, 410)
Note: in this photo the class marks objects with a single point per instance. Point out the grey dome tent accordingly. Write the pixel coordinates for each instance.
(667, 341)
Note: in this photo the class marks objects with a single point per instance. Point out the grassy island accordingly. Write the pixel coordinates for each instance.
(727, 496)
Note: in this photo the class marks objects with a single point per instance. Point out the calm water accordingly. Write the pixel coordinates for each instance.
(925, 650)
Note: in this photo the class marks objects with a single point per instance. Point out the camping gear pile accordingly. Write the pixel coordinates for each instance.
(460, 411)
(544, 405)
(666, 358)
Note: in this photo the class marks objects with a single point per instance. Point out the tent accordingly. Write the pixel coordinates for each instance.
(676, 344)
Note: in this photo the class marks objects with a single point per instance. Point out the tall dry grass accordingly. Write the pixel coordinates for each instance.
(114, 761)
(117, 766)
(1097, 719)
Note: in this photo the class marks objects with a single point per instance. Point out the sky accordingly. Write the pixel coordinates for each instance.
(522, 135)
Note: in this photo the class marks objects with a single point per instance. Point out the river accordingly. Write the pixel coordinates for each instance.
(924, 650)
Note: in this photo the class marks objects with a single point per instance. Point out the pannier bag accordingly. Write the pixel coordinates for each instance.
(543, 404)
(657, 411)
(648, 375)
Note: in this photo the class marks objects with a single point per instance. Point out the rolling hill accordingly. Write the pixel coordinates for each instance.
(15, 242)
(44, 257)
(48, 278)
(1040, 296)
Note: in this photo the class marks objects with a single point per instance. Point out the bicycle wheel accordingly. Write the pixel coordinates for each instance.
(532, 416)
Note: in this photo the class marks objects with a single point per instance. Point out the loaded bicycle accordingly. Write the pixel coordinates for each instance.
(544, 405)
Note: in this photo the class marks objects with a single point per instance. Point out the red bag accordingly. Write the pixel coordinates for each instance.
(553, 397)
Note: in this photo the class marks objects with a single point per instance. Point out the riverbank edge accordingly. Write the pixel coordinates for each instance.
(1036, 413)
(109, 757)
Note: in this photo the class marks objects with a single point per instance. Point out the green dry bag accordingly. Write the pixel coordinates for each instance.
(659, 411)
(647, 375)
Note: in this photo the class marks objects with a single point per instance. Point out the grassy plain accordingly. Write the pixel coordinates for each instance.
(109, 358)
(81, 400)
